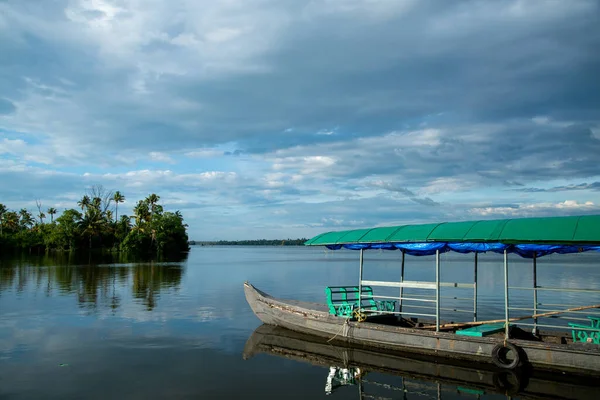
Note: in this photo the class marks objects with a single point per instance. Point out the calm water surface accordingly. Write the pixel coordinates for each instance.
(72, 328)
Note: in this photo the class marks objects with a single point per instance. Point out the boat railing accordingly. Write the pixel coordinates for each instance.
(564, 317)
(433, 300)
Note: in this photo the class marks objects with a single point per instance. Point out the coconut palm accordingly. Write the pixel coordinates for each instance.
(141, 212)
(152, 201)
(26, 219)
(84, 202)
(91, 224)
(97, 203)
(126, 221)
(11, 220)
(118, 198)
(52, 211)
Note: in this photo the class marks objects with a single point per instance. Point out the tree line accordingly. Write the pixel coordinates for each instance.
(258, 242)
(95, 225)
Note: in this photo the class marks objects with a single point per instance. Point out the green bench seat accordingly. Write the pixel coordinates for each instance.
(482, 330)
(343, 300)
(586, 335)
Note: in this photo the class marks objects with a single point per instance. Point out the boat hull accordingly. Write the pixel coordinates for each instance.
(281, 342)
(314, 319)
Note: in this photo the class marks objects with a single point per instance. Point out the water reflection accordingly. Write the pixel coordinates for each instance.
(377, 375)
(95, 282)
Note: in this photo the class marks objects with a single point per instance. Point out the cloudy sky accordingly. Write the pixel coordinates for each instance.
(287, 118)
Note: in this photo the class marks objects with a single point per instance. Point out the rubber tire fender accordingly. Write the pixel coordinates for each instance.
(499, 355)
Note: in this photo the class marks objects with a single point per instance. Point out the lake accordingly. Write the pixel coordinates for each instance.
(74, 327)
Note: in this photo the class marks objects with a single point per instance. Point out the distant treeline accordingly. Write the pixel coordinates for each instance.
(95, 225)
(258, 242)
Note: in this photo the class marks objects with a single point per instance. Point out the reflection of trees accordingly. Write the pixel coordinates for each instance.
(95, 283)
(148, 279)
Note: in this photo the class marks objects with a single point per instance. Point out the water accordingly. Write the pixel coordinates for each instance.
(72, 328)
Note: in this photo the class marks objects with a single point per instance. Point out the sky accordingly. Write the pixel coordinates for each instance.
(289, 118)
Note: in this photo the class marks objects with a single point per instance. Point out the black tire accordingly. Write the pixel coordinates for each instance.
(499, 353)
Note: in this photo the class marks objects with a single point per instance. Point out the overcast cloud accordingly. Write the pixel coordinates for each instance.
(270, 118)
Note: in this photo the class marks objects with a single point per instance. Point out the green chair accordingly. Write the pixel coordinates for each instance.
(585, 335)
(343, 300)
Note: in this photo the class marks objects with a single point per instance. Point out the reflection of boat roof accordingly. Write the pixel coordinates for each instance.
(524, 236)
(317, 351)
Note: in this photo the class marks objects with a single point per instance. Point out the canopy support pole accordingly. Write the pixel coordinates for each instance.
(360, 279)
(401, 280)
(475, 291)
(437, 290)
(506, 321)
(535, 299)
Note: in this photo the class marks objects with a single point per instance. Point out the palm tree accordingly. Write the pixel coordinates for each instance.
(91, 224)
(52, 211)
(118, 198)
(126, 221)
(26, 218)
(97, 203)
(84, 202)
(11, 219)
(152, 201)
(3, 211)
(142, 214)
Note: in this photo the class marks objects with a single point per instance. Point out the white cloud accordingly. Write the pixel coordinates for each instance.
(222, 35)
(160, 157)
(306, 165)
(204, 153)
(545, 120)
(446, 185)
(12, 146)
(536, 209)
(164, 178)
(186, 40)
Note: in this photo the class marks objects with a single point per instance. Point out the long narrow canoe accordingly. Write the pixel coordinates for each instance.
(282, 342)
(314, 319)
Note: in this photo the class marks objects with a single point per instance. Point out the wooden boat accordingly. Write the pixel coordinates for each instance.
(508, 346)
(421, 372)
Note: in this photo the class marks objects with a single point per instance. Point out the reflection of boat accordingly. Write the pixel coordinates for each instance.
(358, 315)
(367, 368)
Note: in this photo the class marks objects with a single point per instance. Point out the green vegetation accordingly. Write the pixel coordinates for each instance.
(92, 227)
(259, 242)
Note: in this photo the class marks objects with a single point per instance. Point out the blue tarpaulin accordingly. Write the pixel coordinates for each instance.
(429, 248)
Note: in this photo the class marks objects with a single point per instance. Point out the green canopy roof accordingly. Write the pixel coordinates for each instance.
(551, 230)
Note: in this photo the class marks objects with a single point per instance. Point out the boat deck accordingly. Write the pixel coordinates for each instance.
(545, 336)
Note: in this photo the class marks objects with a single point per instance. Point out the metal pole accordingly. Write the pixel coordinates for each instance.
(437, 291)
(401, 280)
(475, 291)
(361, 390)
(360, 279)
(535, 299)
(506, 293)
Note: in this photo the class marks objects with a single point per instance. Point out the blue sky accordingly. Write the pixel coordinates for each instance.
(276, 119)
